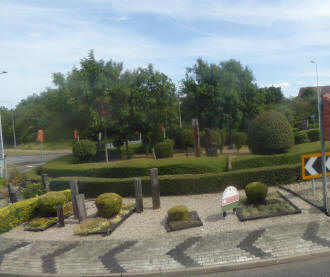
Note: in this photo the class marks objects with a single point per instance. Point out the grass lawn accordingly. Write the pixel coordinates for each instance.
(65, 166)
(273, 205)
(293, 156)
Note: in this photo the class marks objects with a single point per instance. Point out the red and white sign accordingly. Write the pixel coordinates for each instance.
(40, 136)
(229, 196)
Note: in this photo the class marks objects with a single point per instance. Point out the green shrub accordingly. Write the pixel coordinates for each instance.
(15, 177)
(108, 204)
(187, 139)
(269, 133)
(83, 150)
(164, 150)
(179, 212)
(301, 137)
(3, 182)
(170, 141)
(256, 192)
(17, 213)
(314, 134)
(32, 190)
(202, 140)
(48, 202)
(240, 139)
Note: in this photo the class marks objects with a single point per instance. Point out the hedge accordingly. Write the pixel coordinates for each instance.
(17, 213)
(134, 168)
(293, 157)
(182, 184)
(301, 137)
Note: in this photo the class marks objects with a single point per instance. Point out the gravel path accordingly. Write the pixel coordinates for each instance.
(150, 223)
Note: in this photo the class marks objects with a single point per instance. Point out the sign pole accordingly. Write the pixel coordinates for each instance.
(323, 159)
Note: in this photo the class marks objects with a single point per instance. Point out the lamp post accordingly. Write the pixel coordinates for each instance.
(323, 159)
(180, 114)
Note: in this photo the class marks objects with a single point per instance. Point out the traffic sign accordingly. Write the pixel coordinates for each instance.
(311, 165)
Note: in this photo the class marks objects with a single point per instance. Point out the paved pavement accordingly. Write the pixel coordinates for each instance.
(130, 257)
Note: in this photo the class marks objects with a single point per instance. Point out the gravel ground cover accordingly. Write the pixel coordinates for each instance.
(304, 189)
(151, 223)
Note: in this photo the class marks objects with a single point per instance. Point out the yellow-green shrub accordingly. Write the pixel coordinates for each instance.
(17, 213)
(48, 202)
(179, 212)
(108, 204)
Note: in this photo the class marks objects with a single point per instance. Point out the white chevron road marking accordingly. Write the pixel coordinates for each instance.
(309, 166)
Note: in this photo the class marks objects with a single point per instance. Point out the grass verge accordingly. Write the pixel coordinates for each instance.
(292, 157)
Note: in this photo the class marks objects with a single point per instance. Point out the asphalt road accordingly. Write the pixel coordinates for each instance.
(316, 267)
(26, 162)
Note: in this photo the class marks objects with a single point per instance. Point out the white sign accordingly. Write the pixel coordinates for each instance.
(229, 196)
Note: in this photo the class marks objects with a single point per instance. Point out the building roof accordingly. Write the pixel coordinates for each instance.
(323, 89)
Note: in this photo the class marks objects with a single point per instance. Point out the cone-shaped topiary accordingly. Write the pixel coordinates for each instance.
(256, 192)
(269, 133)
(108, 204)
(48, 202)
(179, 212)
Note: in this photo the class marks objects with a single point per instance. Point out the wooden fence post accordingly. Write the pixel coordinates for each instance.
(44, 181)
(82, 214)
(60, 215)
(138, 195)
(155, 191)
(74, 193)
(196, 137)
(12, 193)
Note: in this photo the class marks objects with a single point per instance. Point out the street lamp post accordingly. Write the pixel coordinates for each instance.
(323, 159)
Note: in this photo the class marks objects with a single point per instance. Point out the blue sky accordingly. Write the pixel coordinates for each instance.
(275, 39)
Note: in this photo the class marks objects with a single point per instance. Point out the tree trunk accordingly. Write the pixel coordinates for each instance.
(126, 148)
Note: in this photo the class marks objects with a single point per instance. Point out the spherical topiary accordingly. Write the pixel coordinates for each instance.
(83, 150)
(256, 192)
(179, 212)
(269, 133)
(164, 150)
(108, 204)
(48, 202)
(301, 137)
(314, 134)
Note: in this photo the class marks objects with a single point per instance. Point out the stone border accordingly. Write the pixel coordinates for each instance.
(296, 211)
(192, 213)
(108, 231)
(302, 198)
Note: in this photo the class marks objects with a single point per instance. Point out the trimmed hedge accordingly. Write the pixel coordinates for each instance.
(17, 213)
(182, 184)
(135, 168)
(83, 150)
(314, 134)
(301, 137)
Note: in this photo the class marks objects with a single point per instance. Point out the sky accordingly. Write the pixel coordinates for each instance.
(276, 40)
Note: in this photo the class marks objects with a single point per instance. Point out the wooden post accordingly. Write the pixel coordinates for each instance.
(138, 195)
(207, 141)
(44, 181)
(196, 137)
(155, 191)
(60, 215)
(82, 214)
(74, 193)
(12, 193)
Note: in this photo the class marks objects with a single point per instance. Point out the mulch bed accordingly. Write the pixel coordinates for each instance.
(294, 210)
(193, 221)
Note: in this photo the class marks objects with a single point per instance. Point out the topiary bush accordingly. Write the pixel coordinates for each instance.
(164, 150)
(48, 202)
(314, 134)
(83, 150)
(301, 137)
(256, 192)
(240, 139)
(270, 133)
(179, 212)
(108, 204)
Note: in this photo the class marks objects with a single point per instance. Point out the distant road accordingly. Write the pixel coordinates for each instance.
(25, 161)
